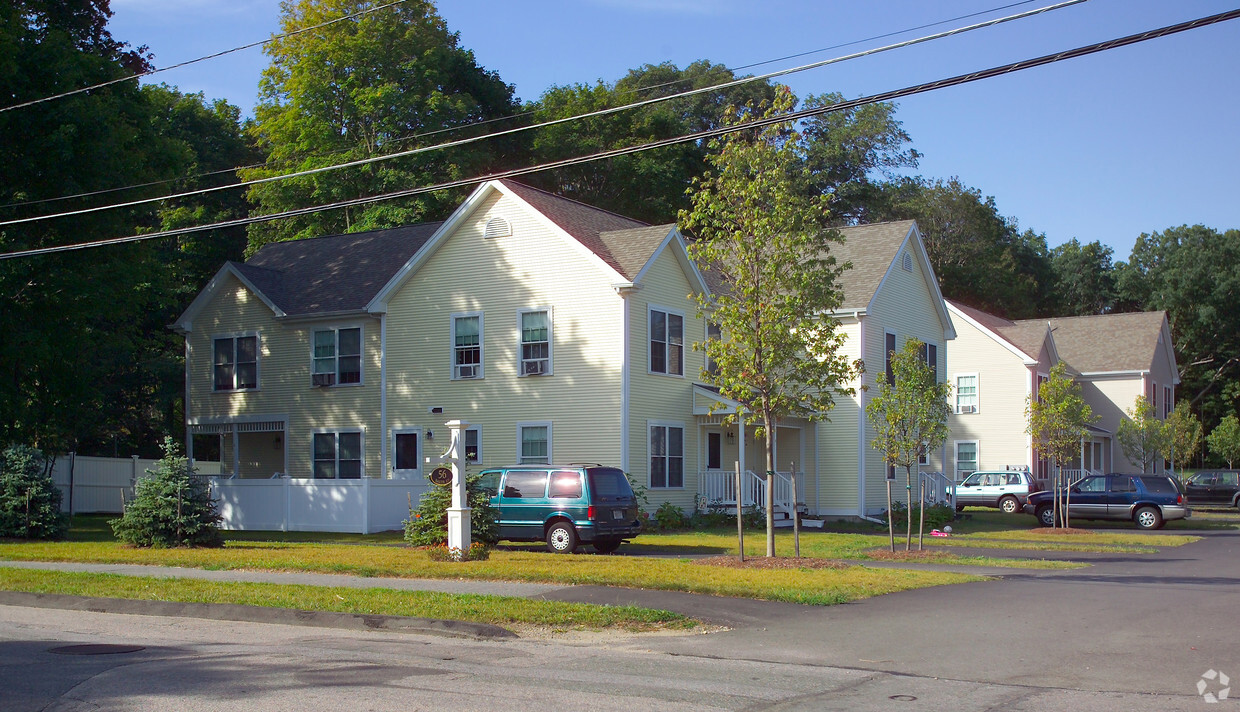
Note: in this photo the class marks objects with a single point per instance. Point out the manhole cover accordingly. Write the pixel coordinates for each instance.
(97, 649)
(903, 698)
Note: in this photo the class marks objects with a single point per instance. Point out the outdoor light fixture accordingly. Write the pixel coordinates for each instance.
(430, 435)
(731, 438)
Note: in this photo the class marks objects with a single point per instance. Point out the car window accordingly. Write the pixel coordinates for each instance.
(973, 479)
(608, 483)
(1123, 484)
(1202, 478)
(565, 484)
(526, 484)
(1158, 484)
(1092, 484)
(1228, 479)
(489, 482)
(1013, 478)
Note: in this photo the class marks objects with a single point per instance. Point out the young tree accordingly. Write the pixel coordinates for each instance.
(170, 507)
(909, 418)
(1058, 419)
(29, 499)
(770, 247)
(1183, 433)
(1142, 436)
(1224, 440)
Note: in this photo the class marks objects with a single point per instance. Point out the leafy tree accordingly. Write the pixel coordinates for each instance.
(362, 88)
(770, 247)
(170, 507)
(1183, 433)
(1058, 421)
(1224, 440)
(29, 499)
(428, 524)
(1142, 436)
(909, 418)
(1084, 278)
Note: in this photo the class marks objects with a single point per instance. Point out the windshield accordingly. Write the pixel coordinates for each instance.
(609, 483)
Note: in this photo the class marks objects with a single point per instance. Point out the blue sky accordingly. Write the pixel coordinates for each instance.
(1104, 147)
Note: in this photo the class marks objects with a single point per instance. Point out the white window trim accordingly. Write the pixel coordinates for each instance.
(476, 429)
(977, 451)
(338, 432)
(258, 361)
(336, 329)
(550, 342)
(683, 447)
(683, 345)
(417, 458)
(534, 424)
(977, 396)
(452, 345)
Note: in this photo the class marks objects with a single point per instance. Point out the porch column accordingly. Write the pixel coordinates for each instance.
(236, 444)
(459, 512)
(1082, 456)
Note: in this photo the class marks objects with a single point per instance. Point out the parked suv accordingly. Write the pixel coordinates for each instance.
(1005, 489)
(1214, 487)
(1146, 500)
(563, 505)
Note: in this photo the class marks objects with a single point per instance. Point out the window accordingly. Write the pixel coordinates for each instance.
(565, 485)
(526, 485)
(1123, 483)
(667, 342)
(467, 345)
(534, 442)
(713, 333)
(1166, 401)
(966, 393)
(338, 455)
(236, 363)
(473, 445)
(667, 456)
(966, 458)
(889, 351)
(1037, 393)
(930, 354)
(535, 342)
(405, 451)
(923, 458)
(337, 356)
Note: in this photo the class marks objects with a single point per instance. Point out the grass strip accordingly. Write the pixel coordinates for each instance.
(496, 610)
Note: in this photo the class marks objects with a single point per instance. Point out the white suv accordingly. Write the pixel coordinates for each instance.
(1006, 489)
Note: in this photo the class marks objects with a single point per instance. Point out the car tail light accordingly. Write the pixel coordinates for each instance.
(1179, 499)
(590, 512)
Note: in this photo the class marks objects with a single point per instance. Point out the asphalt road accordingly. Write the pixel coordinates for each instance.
(1132, 632)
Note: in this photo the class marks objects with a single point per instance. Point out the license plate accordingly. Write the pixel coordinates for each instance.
(617, 514)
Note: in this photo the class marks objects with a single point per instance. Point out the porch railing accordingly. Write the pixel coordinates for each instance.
(938, 488)
(718, 488)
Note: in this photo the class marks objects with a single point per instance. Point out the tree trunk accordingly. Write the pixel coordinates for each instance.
(769, 428)
(908, 499)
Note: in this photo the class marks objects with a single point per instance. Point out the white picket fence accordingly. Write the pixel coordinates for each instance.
(101, 485)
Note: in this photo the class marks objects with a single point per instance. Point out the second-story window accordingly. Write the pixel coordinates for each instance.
(236, 363)
(713, 333)
(535, 342)
(337, 356)
(467, 345)
(667, 342)
(966, 393)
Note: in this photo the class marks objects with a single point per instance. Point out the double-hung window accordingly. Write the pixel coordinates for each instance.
(930, 354)
(535, 342)
(236, 363)
(337, 356)
(713, 333)
(534, 440)
(338, 455)
(667, 455)
(667, 342)
(467, 345)
(966, 393)
(473, 445)
(966, 458)
(889, 346)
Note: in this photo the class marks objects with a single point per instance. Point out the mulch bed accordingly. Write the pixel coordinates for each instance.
(914, 555)
(778, 562)
(1062, 530)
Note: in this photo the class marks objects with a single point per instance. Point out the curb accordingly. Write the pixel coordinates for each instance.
(260, 614)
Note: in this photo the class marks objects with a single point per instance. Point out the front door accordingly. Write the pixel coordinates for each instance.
(714, 450)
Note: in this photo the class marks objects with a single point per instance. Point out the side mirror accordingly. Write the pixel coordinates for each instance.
(1076, 490)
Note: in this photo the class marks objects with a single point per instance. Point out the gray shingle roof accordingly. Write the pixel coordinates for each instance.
(871, 249)
(1108, 342)
(335, 272)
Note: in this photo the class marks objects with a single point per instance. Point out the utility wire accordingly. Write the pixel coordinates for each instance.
(554, 122)
(178, 65)
(518, 115)
(697, 136)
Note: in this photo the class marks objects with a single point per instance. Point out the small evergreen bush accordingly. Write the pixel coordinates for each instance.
(171, 507)
(936, 515)
(428, 524)
(29, 499)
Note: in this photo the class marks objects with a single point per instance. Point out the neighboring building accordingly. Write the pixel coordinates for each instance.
(561, 332)
(995, 367)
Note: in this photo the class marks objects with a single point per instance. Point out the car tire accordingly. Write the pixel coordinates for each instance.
(1009, 505)
(606, 546)
(1046, 515)
(1148, 518)
(561, 538)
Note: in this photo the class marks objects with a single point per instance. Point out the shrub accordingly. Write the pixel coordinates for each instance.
(477, 551)
(428, 524)
(936, 515)
(669, 517)
(29, 499)
(170, 507)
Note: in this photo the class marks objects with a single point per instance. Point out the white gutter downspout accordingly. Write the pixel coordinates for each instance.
(383, 429)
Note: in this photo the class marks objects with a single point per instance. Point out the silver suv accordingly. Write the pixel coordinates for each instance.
(1006, 489)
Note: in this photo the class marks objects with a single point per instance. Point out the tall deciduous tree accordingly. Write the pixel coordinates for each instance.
(361, 88)
(1183, 434)
(1084, 278)
(1224, 440)
(1142, 436)
(770, 246)
(909, 418)
(1058, 418)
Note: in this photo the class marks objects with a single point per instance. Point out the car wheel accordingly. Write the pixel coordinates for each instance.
(1148, 518)
(1046, 515)
(606, 546)
(1009, 505)
(561, 538)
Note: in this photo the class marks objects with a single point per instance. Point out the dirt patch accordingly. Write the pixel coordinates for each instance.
(777, 562)
(1061, 530)
(902, 555)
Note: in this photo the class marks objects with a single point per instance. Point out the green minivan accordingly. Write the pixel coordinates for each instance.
(563, 505)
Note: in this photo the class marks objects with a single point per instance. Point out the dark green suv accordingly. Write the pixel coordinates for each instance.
(563, 505)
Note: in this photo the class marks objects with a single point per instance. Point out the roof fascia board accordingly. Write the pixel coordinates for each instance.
(1024, 358)
(681, 254)
(185, 323)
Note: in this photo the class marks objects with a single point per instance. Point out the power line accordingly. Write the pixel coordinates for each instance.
(526, 113)
(554, 122)
(697, 136)
(178, 65)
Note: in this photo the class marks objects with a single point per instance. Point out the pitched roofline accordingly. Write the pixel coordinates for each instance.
(1024, 357)
(927, 271)
(1170, 350)
(614, 275)
(185, 323)
(681, 254)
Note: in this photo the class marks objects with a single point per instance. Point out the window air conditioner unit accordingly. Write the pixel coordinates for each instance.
(468, 372)
(535, 368)
(324, 379)
(968, 409)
